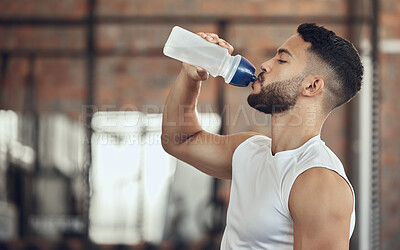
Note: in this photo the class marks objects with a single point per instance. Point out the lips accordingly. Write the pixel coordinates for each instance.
(261, 76)
(257, 81)
(260, 79)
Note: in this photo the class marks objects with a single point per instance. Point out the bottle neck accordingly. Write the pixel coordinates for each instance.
(230, 66)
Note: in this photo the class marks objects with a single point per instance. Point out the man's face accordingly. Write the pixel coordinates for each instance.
(278, 85)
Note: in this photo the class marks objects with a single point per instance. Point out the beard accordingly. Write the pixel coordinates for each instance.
(276, 97)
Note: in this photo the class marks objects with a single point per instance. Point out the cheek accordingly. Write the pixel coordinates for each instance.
(285, 72)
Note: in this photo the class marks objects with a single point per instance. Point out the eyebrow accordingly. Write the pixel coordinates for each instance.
(280, 51)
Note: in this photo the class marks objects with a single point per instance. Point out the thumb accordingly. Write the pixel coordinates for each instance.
(201, 71)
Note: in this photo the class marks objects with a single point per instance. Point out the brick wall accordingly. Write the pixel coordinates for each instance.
(390, 128)
(70, 9)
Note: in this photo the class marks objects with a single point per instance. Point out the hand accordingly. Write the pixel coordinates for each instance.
(198, 73)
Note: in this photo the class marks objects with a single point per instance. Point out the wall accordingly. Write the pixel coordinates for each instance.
(390, 125)
(132, 74)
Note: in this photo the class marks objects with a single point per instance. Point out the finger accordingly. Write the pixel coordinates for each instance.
(230, 48)
(226, 45)
(211, 37)
(214, 38)
(223, 43)
(208, 36)
(202, 34)
(200, 71)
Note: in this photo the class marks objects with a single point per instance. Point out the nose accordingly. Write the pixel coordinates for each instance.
(266, 66)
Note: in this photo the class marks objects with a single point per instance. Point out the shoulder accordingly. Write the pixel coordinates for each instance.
(321, 205)
(242, 143)
(322, 195)
(317, 154)
(323, 187)
(239, 138)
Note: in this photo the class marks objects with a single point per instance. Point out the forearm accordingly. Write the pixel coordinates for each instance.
(180, 119)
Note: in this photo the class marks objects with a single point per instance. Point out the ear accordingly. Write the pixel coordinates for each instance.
(313, 87)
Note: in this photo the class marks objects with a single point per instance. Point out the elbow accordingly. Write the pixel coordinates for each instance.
(171, 143)
(166, 143)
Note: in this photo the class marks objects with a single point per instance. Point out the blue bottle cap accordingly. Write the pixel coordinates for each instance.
(244, 74)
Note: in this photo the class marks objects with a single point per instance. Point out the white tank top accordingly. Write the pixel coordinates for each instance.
(258, 213)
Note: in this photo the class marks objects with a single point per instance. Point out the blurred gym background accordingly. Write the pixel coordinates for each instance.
(82, 87)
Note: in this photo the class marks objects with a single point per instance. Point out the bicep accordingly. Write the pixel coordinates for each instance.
(210, 153)
(321, 205)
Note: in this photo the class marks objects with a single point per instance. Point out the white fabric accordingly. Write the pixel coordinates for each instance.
(258, 214)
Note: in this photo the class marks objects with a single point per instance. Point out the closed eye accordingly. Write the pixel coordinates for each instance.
(281, 61)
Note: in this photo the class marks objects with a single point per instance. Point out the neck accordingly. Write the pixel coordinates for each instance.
(293, 128)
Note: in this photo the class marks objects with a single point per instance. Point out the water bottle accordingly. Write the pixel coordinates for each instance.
(190, 48)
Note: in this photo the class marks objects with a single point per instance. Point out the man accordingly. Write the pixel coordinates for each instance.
(288, 191)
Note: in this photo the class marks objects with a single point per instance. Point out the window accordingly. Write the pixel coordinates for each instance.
(131, 177)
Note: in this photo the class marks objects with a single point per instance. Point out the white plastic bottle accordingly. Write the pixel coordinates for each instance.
(190, 48)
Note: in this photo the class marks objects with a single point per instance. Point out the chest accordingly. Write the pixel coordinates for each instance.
(256, 210)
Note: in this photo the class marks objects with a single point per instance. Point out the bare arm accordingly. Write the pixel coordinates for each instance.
(182, 135)
(321, 204)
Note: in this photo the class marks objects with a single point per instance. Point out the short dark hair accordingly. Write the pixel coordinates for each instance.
(340, 55)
